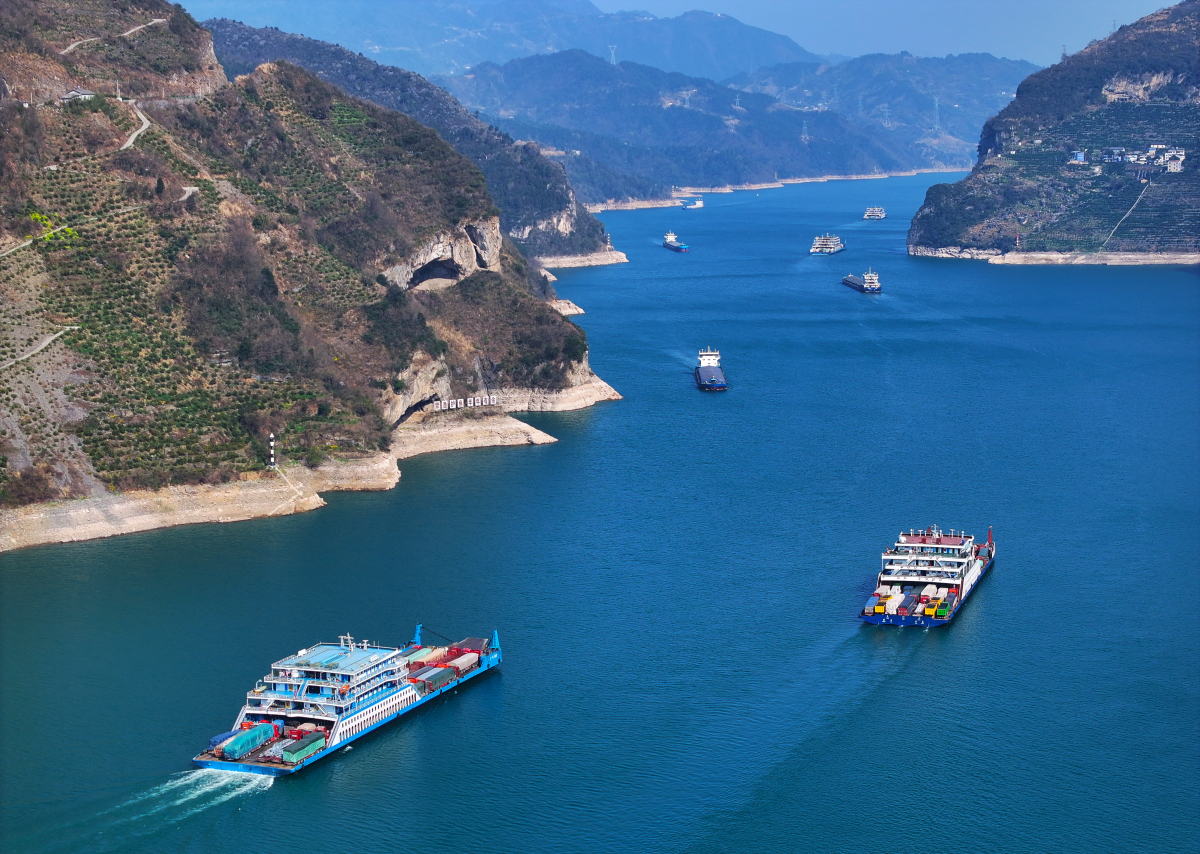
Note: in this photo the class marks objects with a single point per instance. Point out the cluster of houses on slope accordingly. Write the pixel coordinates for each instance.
(1157, 155)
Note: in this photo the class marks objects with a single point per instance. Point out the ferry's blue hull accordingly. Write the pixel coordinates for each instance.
(921, 619)
(487, 662)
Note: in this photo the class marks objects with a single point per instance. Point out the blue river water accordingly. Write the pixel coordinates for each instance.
(676, 581)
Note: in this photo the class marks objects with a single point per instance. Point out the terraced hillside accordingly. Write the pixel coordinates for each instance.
(1030, 191)
(538, 208)
(185, 274)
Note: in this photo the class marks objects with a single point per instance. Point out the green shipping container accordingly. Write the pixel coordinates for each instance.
(300, 750)
(437, 680)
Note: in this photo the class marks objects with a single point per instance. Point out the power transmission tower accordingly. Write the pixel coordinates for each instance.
(737, 101)
(804, 133)
(860, 112)
(937, 117)
(612, 54)
(687, 96)
(887, 118)
(1064, 53)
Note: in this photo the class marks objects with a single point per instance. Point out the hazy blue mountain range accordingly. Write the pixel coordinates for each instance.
(537, 205)
(448, 36)
(634, 122)
(897, 92)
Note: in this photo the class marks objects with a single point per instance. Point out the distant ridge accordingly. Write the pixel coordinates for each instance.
(537, 206)
(938, 103)
(629, 130)
(449, 36)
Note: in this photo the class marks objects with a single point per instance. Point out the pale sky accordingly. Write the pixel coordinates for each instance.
(1035, 30)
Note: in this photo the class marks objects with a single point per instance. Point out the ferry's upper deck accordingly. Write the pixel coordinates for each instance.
(347, 658)
(929, 553)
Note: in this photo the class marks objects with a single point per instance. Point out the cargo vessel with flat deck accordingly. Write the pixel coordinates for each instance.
(673, 243)
(927, 576)
(324, 697)
(867, 283)
(709, 376)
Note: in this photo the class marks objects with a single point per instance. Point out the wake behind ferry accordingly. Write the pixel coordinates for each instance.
(927, 576)
(325, 697)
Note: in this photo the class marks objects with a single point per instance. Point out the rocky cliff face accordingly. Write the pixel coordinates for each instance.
(450, 256)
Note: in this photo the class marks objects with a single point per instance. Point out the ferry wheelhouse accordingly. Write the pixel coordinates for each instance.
(827, 244)
(328, 695)
(927, 576)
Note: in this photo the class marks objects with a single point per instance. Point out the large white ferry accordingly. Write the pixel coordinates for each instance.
(325, 697)
(875, 213)
(827, 244)
(927, 576)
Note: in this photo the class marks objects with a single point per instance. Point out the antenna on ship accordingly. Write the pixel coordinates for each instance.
(612, 54)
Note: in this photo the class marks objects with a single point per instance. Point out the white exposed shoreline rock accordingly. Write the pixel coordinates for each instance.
(1114, 258)
(591, 259)
(952, 252)
(995, 256)
(585, 390)
(295, 489)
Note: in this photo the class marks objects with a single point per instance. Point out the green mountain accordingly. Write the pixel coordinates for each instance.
(936, 104)
(449, 36)
(537, 206)
(1049, 178)
(627, 129)
(184, 274)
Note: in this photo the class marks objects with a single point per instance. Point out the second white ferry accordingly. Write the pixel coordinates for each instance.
(827, 244)
(927, 576)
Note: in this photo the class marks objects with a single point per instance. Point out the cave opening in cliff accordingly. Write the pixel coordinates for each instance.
(441, 268)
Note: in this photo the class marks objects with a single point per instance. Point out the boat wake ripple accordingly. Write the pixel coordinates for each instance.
(180, 797)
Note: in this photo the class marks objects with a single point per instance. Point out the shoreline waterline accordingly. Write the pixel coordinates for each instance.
(294, 488)
(684, 192)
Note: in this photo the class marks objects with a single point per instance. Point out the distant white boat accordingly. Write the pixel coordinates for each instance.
(692, 204)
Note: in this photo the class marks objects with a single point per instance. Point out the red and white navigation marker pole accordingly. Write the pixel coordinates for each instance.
(272, 450)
